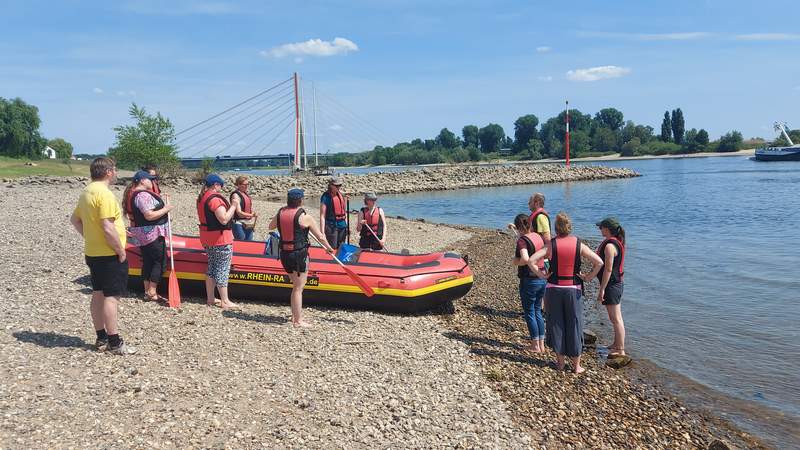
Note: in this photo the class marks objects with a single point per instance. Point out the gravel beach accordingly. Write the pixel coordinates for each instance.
(208, 379)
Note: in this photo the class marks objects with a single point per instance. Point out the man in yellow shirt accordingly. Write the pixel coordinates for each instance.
(98, 219)
(540, 220)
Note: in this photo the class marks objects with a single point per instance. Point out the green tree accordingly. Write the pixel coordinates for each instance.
(470, 135)
(474, 153)
(535, 149)
(604, 140)
(524, 131)
(631, 130)
(631, 147)
(579, 142)
(666, 128)
(491, 137)
(781, 141)
(19, 130)
(447, 139)
(730, 142)
(63, 148)
(610, 118)
(678, 126)
(150, 141)
(701, 140)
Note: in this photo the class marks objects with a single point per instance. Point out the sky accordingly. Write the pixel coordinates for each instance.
(391, 70)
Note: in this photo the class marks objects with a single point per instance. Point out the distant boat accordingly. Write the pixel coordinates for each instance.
(788, 153)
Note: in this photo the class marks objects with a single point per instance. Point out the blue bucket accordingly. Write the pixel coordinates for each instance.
(348, 253)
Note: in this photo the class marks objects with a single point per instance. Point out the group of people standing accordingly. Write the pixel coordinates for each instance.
(551, 281)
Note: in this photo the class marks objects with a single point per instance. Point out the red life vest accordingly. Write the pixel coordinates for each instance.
(208, 219)
(533, 243)
(245, 203)
(565, 261)
(618, 266)
(293, 236)
(156, 189)
(339, 207)
(374, 221)
(534, 215)
(136, 216)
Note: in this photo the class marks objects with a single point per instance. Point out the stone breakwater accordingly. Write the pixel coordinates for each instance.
(427, 179)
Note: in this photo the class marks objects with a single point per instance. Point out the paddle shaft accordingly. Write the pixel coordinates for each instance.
(171, 258)
(354, 276)
(383, 247)
(348, 220)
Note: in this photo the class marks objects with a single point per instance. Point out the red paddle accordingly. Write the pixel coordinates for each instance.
(174, 295)
(354, 276)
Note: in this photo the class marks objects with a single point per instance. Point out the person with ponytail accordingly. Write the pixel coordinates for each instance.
(147, 216)
(532, 280)
(612, 250)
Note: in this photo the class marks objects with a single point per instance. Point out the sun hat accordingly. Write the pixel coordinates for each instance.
(143, 175)
(295, 194)
(336, 181)
(370, 196)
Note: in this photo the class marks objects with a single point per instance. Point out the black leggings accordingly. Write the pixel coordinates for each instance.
(154, 260)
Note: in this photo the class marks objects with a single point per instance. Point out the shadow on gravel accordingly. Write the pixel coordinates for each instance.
(485, 310)
(334, 320)
(261, 318)
(51, 340)
(472, 340)
(511, 357)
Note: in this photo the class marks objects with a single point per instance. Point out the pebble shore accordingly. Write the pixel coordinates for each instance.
(208, 379)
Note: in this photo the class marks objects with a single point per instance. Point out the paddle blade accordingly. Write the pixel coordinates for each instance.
(174, 295)
(359, 281)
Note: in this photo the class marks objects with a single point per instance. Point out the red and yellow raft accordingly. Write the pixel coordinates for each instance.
(402, 283)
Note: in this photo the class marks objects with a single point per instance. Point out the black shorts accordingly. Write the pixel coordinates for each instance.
(335, 236)
(295, 261)
(369, 242)
(108, 274)
(613, 294)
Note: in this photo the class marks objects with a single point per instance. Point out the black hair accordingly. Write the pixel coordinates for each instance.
(619, 233)
(523, 223)
(293, 202)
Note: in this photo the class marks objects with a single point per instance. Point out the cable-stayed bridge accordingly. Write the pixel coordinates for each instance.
(270, 128)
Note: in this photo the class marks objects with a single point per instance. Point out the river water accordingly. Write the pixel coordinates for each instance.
(712, 272)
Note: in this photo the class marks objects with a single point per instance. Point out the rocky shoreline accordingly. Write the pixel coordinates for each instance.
(426, 179)
(602, 408)
(452, 379)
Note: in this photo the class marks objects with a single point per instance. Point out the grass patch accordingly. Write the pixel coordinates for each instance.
(15, 168)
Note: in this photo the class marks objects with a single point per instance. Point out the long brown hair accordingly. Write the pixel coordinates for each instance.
(523, 223)
(126, 196)
(619, 233)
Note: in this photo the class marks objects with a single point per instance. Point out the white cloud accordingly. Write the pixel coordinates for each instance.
(546, 78)
(312, 47)
(97, 90)
(684, 36)
(336, 127)
(543, 49)
(768, 37)
(597, 73)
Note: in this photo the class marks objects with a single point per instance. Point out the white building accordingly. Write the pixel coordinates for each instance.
(48, 152)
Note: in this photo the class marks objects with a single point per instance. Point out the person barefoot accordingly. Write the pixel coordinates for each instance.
(294, 224)
(564, 329)
(532, 281)
(612, 250)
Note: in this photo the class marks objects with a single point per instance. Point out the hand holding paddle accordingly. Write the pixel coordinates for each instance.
(353, 276)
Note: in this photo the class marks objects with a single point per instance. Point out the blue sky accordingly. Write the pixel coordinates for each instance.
(408, 68)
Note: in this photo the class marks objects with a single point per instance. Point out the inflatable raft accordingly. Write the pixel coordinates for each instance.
(402, 283)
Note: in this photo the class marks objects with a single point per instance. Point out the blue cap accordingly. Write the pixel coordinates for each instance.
(143, 175)
(295, 193)
(213, 179)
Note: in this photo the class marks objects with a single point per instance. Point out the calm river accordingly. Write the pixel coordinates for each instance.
(713, 274)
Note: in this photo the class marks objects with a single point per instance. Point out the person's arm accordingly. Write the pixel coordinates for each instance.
(533, 263)
(543, 228)
(385, 227)
(76, 222)
(323, 208)
(307, 221)
(153, 214)
(112, 238)
(594, 258)
(522, 259)
(360, 221)
(235, 202)
(274, 222)
(608, 255)
(224, 216)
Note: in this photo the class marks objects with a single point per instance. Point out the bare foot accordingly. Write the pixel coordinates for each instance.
(301, 324)
(230, 306)
(216, 303)
(579, 369)
(559, 367)
(531, 347)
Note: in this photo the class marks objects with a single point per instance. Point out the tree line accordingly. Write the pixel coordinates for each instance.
(19, 132)
(606, 132)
